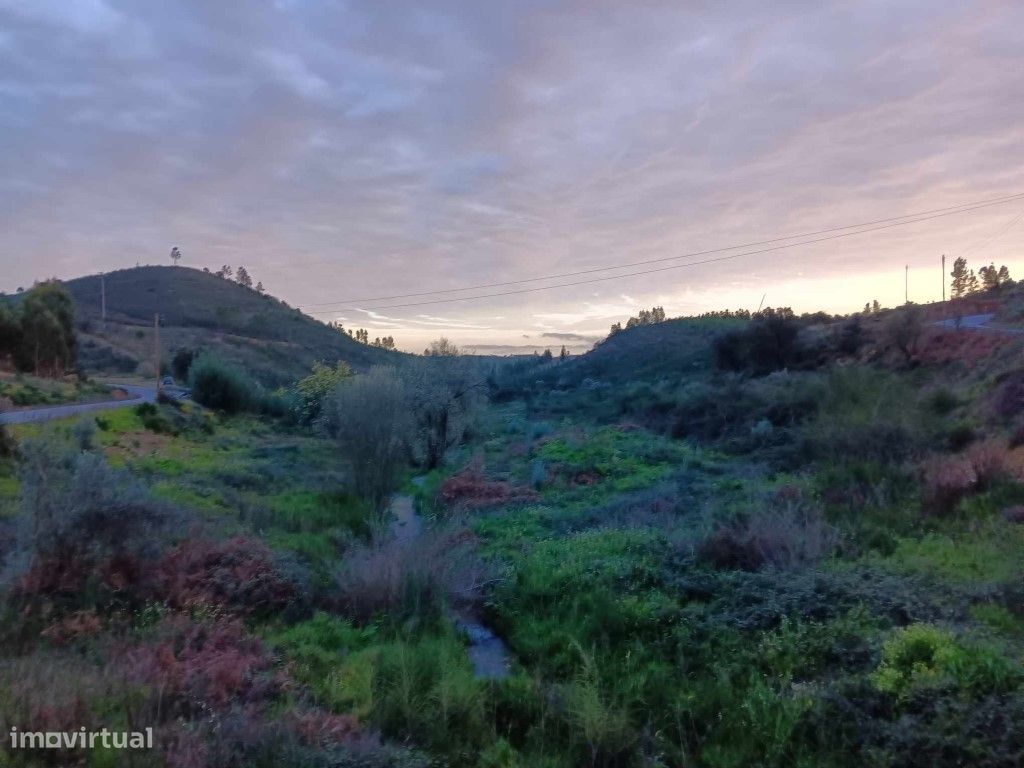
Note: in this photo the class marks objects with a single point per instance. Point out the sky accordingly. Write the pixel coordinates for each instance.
(345, 151)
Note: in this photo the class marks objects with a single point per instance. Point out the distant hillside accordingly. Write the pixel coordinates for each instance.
(276, 343)
(664, 350)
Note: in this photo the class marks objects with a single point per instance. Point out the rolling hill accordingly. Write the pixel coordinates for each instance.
(274, 342)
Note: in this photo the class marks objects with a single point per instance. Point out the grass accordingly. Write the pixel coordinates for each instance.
(992, 553)
(23, 390)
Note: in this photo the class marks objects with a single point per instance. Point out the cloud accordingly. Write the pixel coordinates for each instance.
(293, 72)
(570, 337)
(376, 149)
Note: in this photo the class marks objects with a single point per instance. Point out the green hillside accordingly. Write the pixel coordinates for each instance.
(275, 342)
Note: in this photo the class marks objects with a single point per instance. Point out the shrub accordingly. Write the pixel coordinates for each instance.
(181, 362)
(410, 578)
(80, 521)
(787, 532)
(1009, 397)
(218, 385)
(948, 479)
(368, 417)
(239, 574)
(193, 668)
(921, 655)
(84, 433)
(7, 444)
(766, 344)
(152, 419)
(470, 488)
(313, 390)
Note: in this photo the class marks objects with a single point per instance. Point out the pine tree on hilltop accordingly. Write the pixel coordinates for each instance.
(959, 286)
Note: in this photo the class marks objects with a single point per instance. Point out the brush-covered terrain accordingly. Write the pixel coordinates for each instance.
(275, 343)
(725, 541)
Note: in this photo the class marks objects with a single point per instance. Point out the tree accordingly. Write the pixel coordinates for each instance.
(369, 418)
(875, 307)
(442, 348)
(242, 277)
(10, 332)
(224, 272)
(959, 286)
(1003, 276)
(182, 362)
(48, 343)
(362, 336)
(903, 330)
(563, 354)
(259, 288)
(547, 355)
(175, 255)
(442, 395)
(317, 387)
(972, 282)
(989, 277)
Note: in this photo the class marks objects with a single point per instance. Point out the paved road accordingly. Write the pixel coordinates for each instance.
(136, 395)
(977, 323)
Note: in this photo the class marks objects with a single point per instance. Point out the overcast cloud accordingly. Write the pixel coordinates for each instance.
(366, 149)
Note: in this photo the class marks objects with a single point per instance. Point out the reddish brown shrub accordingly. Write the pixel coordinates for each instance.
(990, 461)
(195, 668)
(77, 625)
(470, 489)
(238, 574)
(947, 480)
(786, 532)
(324, 729)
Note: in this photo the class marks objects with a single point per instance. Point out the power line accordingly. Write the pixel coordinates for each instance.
(950, 210)
(941, 214)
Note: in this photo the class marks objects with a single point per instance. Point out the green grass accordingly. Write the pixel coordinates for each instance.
(992, 553)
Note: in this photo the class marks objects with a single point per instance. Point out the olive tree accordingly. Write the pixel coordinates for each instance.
(368, 416)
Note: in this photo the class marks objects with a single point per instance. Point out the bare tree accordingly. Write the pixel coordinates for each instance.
(442, 348)
(175, 255)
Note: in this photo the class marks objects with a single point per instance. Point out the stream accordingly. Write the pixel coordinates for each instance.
(487, 652)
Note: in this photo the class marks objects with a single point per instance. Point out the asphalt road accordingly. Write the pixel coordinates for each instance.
(136, 395)
(977, 323)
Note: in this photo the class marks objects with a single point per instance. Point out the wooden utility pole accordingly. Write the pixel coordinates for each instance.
(906, 284)
(103, 302)
(943, 278)
(156, 337)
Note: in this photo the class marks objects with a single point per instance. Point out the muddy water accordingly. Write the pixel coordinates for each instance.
(487, 652)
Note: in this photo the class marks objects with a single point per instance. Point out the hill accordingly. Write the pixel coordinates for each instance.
(274, 342)
(650, 352)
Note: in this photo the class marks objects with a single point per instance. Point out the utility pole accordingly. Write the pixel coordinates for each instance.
(103, 301)
(943, 278)
(906, 284)
(156, 337)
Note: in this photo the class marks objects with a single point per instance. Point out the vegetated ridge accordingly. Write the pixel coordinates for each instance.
(198, 310)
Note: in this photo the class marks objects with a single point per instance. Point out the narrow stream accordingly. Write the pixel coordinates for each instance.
(487, 652)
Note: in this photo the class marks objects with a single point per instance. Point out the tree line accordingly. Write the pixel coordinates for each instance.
(240, 276)
(37, 334)
(965, 282)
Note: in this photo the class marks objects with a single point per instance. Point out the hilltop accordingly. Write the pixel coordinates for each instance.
(273, 341)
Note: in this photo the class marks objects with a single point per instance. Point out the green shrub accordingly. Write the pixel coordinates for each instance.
(218, 385)
(924, 656)
(152, 419)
